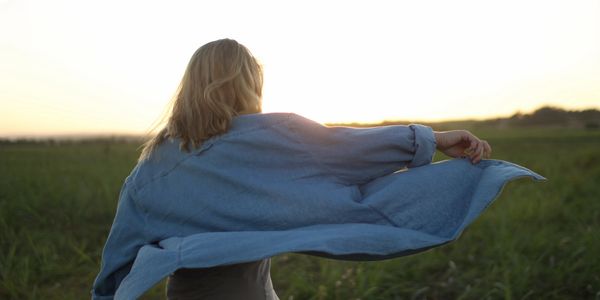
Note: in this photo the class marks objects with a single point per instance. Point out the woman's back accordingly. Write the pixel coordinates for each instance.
(261, 173)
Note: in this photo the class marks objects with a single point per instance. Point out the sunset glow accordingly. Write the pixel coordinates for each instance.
(112, 66)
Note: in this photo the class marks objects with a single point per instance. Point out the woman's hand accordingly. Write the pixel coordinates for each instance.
(457, 143)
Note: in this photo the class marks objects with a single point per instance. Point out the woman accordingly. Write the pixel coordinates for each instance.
(224, 187)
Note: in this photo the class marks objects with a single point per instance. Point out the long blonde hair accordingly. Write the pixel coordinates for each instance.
(222, 80)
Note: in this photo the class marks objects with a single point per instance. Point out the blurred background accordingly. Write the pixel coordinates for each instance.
(82, 83)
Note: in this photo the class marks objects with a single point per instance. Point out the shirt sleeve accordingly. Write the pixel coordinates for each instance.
(124, 240)
(358, 155)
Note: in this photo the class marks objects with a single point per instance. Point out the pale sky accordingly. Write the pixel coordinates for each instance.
(112, 66)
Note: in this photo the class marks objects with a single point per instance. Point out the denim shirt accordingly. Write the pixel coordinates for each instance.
(279, 182)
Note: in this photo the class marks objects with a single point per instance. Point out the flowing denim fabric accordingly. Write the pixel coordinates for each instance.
(279, 182)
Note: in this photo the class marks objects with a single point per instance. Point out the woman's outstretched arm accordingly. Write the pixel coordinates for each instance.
(358, 155)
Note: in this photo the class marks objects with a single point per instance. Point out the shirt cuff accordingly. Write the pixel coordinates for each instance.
(425, 145)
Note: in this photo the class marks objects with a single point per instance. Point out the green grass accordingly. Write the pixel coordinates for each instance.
(539, 240)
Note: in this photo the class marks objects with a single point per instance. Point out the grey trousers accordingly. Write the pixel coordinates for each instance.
(251, 280)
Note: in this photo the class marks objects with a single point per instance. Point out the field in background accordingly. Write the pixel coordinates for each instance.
(539, 240)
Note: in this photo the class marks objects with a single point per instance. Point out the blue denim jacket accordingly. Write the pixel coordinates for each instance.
(279, 182)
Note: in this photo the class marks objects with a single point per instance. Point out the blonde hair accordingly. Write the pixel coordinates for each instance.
(222, 80)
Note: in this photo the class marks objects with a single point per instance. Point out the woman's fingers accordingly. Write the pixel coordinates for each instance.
(488, 149)
(477, 149)
(478, 153)
(484, 150)
(473, 142)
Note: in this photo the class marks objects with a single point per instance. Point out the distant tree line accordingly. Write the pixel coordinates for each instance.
(547, 116)
(552, 116)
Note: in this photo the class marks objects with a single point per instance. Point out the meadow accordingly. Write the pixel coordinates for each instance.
(538, 240)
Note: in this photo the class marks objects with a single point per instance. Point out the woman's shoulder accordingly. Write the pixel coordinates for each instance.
(247, 122)
(164, 157)
(245, 131)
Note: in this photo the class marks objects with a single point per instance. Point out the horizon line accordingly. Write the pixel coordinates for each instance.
(129, 134)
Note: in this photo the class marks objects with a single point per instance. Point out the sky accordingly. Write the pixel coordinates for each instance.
(77, 67)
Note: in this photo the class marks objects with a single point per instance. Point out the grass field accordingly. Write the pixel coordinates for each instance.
(539, 240)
